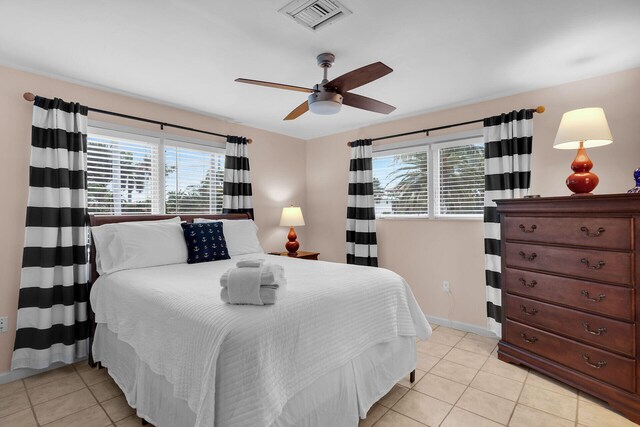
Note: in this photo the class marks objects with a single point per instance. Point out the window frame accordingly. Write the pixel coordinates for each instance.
(432, 145)
(161, 138)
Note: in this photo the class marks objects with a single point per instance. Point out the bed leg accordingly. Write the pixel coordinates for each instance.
(144, 422)
(412, 376)
(99, 365)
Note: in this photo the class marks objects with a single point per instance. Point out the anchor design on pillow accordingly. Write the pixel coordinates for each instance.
(205, 241)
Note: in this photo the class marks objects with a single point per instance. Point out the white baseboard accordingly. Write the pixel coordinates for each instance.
(18, 374)
(467, 327)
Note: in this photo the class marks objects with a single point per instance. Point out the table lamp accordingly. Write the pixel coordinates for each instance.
(292, 217)
(583, 128)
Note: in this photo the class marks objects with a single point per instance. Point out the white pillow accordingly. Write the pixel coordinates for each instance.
(127, 245)
(241, 235)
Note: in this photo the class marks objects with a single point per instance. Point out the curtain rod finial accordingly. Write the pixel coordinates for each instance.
(249, 141)
(540, 109)
(29, 96)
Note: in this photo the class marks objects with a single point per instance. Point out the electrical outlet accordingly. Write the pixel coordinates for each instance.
(4, 324)
(446, 287)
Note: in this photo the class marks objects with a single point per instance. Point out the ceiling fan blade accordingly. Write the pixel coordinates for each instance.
(298, 111)
(359, 77)
(359, 101)
(276, 85)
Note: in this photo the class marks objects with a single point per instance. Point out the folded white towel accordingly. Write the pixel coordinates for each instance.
(252, 285)
(271, 274)
(244, 286)
(254, 262)
(268, 295)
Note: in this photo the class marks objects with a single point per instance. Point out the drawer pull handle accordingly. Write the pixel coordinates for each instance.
(531, 312)
(599, 364)
(599, 298)
(593, 267)
(528, 258)
(528, 340)
(587, 328)
(532, 284)
(524, 229)
(585, 230)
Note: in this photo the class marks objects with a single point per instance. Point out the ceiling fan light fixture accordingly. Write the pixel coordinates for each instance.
(327, 96)
(325, 103)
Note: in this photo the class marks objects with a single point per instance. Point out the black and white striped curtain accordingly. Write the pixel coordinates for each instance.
(237, 181)
(52, 323)
(507, 145)
(362, 246)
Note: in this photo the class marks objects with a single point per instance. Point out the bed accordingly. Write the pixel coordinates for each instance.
(337, 340)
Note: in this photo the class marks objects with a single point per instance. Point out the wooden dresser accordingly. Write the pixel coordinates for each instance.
(570, 272)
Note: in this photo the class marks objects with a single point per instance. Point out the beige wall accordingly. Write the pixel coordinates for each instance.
(275, 159)
(426, 252)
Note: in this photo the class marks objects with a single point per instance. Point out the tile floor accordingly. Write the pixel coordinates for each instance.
(459, 383)
(72, 396)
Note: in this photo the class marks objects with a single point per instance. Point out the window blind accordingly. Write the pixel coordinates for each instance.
(461, 180)
(193, 179)
(401, 183)
(437, 177)
(122, 175)
(131, 173)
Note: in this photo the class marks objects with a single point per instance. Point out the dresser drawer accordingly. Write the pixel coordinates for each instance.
(610, 334)
(607, 266)
(608, 367)
(611, 233)
(613, 301)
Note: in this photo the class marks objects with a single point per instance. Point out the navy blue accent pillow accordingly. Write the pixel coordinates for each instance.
(205, 242)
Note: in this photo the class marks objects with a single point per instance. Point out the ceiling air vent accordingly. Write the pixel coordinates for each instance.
(315, 14)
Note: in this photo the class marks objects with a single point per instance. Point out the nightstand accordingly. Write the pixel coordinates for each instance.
(301, 254)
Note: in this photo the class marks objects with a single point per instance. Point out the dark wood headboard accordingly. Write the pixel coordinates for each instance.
(95, 220)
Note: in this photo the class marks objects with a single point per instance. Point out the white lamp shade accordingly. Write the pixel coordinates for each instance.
(291, 217)
(588, 125)
(325, 108)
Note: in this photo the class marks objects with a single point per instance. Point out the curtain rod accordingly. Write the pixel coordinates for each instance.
(540, 109)
(31, 97)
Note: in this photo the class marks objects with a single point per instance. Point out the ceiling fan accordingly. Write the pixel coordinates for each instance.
(327, 97)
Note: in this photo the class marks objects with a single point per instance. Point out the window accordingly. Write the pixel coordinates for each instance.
(401, 183)
(461, 180)
(121, 174)
(193, 181)
(440, 177)
(135, 172)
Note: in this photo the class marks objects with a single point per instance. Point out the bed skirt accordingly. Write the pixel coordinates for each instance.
(337, 398)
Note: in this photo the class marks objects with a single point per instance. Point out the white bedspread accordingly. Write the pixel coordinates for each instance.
(238, 365)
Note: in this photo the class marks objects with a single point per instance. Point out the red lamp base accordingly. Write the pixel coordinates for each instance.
(582, 181)
(292, 245)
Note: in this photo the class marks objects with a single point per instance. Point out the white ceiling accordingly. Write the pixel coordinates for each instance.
(444, 53)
